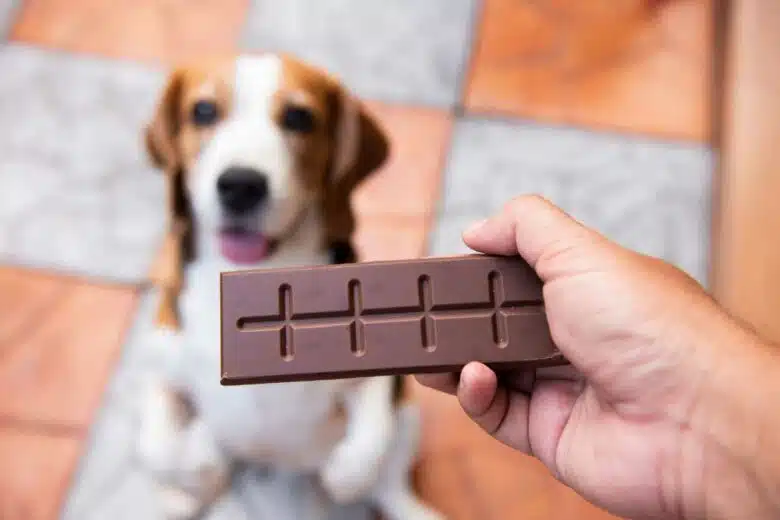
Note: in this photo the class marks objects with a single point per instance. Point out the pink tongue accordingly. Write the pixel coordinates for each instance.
(243, 248)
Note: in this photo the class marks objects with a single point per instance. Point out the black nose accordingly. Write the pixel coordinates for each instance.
(242, 189)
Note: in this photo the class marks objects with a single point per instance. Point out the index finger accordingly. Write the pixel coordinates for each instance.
(535, 229)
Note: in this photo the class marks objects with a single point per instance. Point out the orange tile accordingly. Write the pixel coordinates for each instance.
(149, 30)
(603, 64)
(35, 472)
(445, 426)
(442, 482)
(409, 182)
(22, 298)
(511, 485)
(61, 363)
(390, 238)
(466, 473)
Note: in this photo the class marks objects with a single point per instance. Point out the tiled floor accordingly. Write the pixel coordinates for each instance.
(482, 100)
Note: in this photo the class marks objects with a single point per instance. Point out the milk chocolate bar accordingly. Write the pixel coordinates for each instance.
(382, 318)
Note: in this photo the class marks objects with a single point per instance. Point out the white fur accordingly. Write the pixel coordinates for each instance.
(249, 137)
(353, 467)
(363, 454)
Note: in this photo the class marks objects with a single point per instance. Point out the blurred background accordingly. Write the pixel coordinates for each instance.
(609, 108)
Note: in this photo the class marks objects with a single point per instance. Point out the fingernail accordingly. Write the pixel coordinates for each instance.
(473, 228)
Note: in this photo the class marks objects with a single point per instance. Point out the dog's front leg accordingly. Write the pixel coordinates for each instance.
(177, 447)
(354, 466)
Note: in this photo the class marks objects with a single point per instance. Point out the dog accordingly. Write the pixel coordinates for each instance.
(263, 152)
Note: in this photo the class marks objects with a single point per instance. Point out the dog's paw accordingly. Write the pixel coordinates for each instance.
(177, 504)
(349, 475)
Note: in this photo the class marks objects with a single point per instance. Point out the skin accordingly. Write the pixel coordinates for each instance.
(670, 398)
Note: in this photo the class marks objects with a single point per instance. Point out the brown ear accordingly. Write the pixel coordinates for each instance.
(160, 134)
(360, 148)
(160, 139)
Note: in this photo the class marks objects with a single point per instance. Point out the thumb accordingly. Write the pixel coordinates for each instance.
(541, 233)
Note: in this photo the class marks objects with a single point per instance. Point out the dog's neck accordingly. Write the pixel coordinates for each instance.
(304, 246)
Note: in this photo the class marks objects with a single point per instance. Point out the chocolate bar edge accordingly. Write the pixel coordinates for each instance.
(555, 360)
(336, 267)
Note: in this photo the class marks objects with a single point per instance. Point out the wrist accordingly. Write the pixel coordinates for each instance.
(740, 430)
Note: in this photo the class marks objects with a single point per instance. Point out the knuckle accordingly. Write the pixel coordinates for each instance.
(520, 203)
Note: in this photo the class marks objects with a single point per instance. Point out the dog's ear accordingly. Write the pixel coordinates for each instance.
(360, 148)
(161, 132)
(160, 137)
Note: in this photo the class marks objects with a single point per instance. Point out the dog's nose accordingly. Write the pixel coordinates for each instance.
(242, 189)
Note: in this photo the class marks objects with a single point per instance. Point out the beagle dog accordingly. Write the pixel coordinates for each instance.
(262, 153)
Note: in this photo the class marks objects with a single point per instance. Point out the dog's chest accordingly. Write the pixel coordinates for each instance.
(293, 424)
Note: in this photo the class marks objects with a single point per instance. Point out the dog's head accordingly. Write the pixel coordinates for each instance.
(253, 142)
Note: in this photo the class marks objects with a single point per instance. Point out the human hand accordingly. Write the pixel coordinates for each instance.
(635, 431)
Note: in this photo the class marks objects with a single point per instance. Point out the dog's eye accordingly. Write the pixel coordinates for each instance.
(205, 113)
(298, 119)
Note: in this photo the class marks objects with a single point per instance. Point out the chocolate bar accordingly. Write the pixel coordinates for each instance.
(382, 318)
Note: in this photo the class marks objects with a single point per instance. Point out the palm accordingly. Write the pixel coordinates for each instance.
(614, 435)
(619, 461)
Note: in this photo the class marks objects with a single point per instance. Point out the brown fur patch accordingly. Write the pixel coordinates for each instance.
(172, 140)
(372, 151)
(326, 98)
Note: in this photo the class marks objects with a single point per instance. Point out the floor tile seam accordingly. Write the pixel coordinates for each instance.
(602, 131)
(54, 429)
(470, 45)
(76, 276)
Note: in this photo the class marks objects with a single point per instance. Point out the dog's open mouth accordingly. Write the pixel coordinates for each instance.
(244, 246)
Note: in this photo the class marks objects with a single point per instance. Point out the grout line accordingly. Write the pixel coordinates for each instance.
(41, 427)
(399, 103)
(74, 275)
(240, 43)
(624, 134)
(156, 66)
(467, 59)
(13, 18)
(115, 477)
(443, 166)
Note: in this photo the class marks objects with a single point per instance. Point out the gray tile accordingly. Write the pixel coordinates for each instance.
(8, 10)
(107, 461)
(404, 50)
(446, 236)
(129, 498)
(285, 495)
(230, 507)
(76, 190)
(648, 196)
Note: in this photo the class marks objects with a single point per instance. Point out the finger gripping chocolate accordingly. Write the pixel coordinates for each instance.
(382, 318)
